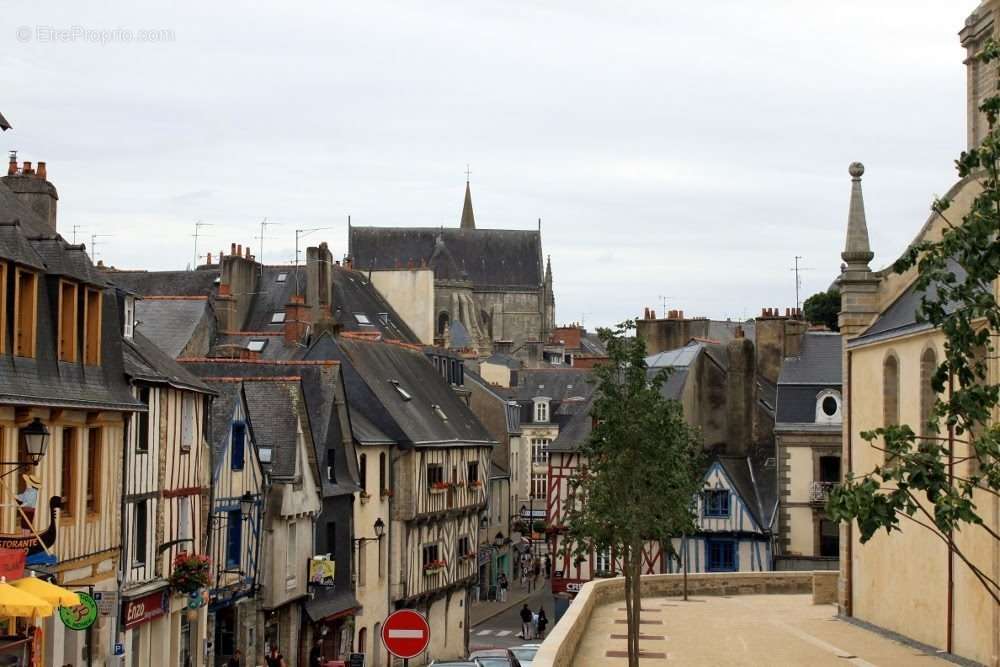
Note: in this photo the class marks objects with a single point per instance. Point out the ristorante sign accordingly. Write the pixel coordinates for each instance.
(144, 609)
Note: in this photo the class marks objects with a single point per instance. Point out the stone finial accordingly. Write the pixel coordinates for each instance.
(857, 251)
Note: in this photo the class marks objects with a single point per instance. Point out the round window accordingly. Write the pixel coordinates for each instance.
(830, 406)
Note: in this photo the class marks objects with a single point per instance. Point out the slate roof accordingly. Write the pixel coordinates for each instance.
(4, 125)
(756, 483)
(370, 370)
(556, 384)
(171, 323)
(680, 361)
(12, 208)
(488, 257)
(228, 394)
(500, 359)
(66, 260)
(819, 362)
(325, 602)
(271, 297)
(321, 388)
(14, 246)
(575, 431)
(459, 337)
(144, 361)
(901, 317)
(354, 293)
(274, 410)
(167, 283)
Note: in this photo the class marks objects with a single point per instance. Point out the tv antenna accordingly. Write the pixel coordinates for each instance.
(75, 229)
(263, 224)
(663, 300)
(197, 232)
(299, 233)
(93, 244)
(798, 279)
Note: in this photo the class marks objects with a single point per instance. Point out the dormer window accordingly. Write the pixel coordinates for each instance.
(402, 392)
(828, 404)
(541, 410)
(92, 327)
(68, 331)
(25, 312)
(278, 318)
(128, 317)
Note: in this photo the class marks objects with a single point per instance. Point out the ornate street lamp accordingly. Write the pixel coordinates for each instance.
(379, 528)
(246, 503)
(36, 440)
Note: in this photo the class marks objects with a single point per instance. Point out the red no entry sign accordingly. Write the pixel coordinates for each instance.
(406, 634)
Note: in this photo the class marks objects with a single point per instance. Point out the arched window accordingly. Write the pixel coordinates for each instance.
(443, 321)
(890, 391)
(928, 364)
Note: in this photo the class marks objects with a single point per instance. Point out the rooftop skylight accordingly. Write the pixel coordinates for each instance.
(256, 345)
(362, 319)
(278, 318)
(282, 277)
(402, 392)
(440, 412)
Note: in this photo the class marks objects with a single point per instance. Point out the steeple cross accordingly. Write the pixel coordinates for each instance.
(467, 173)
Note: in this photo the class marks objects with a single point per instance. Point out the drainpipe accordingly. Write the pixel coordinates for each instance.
(848, 567)
(951, 534)
(123, 547)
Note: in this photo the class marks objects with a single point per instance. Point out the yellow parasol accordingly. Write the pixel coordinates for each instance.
(54, 595)
(15, 602)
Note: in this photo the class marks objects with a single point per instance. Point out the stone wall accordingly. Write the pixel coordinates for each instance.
(559, 649)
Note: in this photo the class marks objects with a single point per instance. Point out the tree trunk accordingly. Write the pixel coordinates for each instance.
(684, 548)
(633, 565)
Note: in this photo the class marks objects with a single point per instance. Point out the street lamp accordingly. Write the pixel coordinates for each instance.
(246, 503)
(36, 440)
(379, 528)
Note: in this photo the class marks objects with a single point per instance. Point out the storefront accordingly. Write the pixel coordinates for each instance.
(23, 605)
(331, 620)
(144, 621)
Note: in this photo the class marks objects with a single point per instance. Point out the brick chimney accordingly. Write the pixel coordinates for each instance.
(503, 346)
(297, 319)
(34, 190)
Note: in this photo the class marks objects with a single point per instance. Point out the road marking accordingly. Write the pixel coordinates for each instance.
(406, 634)
(503, 633)
(483, 632)
(819, 643)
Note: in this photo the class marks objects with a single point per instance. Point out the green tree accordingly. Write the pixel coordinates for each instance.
(823, 308)
(957, 276)
(643, 468)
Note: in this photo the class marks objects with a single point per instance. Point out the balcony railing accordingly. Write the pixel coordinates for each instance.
(819, 492)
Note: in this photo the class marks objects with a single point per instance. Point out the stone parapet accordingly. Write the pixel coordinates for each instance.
(559, 648)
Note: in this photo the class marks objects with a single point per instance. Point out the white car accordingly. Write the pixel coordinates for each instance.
(525, 653)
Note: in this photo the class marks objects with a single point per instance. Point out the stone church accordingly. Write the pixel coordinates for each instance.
(483, 286)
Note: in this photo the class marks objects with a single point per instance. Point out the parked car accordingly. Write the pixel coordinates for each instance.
(452, 663)
(525, 653)
(495, 657)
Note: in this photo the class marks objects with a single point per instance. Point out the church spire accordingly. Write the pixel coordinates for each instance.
(857, 251)
(468, 217)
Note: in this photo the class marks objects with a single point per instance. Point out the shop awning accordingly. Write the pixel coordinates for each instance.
(327, 604)
(15, 602)
(57, 596)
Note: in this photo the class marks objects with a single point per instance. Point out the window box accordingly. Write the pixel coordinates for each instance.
(469, 556)
(387, 493)
(365, 497)
(439, 487)
(435, 566)
(475, 484)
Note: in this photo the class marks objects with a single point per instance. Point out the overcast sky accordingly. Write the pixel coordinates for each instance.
(679, 149)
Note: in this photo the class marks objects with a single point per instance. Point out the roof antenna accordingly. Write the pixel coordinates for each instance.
(197, 230)
(798, 279)
(263, 223)
(539, 225)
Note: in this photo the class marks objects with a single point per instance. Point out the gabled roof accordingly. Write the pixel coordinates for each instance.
(68, 261)
(15, 246)
(145, 362)
(228, 395)
(201, 282)
(171, 323)
(576, 430)
(354, 293)
(275, 409)
(397, 388)
(556, 384)
(12, 208)
(819, 361)
(756, 483)
(499, 257)
(271, 296)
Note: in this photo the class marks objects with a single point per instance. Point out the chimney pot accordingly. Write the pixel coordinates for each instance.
(208, 259)
(41, 171)
(239, 250)
(12, 165)
(26, 169)
(232, 248)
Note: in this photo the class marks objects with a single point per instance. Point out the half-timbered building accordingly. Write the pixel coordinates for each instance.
(437, 468)
(61, 367)
(164, 504)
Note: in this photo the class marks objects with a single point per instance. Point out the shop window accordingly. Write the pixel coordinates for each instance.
(92, 328)
(67, 321)
(94, 437)
(25, 310)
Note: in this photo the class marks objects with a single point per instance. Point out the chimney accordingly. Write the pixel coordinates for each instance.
(503, 346)
(740, 395)
(297, 319)
(208, 259)
(33, 190)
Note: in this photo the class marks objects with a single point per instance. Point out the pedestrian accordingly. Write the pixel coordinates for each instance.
(525, 622)
(316, 653)
(534, 625)
(275, 659)
(235, 660)
(542, 622)
(548, 567)
(502, 586)
(538, 571)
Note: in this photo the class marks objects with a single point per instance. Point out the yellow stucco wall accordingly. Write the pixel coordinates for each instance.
(411, 293)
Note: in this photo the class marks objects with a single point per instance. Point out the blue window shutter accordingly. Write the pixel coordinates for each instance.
(239, 445)
(234, 539)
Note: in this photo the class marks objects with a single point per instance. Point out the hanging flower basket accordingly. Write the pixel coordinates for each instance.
(190, 573)
(439, 487)
(435, 566)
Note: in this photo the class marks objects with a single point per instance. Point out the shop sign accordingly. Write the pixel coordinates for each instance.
(80, 617)
(356, 660)
(561, 585)
(145, 609)
(484, 555)
(12, 563)
(321, 571)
